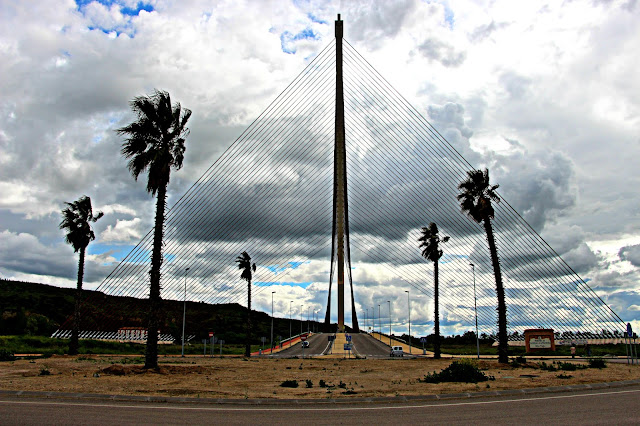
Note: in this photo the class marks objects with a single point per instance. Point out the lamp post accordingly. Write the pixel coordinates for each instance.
(184, 311)
(365, 319)
(389, 302)
(301, 319)
(409, 307)
(308, 322)
(475, 306)
(379, 322)
(271, 351)
(290, 323)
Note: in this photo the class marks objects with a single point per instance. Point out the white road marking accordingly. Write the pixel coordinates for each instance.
(324, 408)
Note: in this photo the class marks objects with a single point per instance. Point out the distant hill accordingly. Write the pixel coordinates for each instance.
(40, 309)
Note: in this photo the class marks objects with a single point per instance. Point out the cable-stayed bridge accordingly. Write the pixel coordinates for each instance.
(273, 193)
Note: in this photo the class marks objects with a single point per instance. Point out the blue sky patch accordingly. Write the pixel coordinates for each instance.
(127, 11)
(286, 283)
(288, 39)
(276, 269)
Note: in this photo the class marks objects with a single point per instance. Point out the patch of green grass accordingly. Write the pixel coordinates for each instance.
(547, 367)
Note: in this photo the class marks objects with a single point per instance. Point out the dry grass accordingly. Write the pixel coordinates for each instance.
(261, 378)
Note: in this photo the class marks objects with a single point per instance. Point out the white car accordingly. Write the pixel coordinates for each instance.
(396, 351)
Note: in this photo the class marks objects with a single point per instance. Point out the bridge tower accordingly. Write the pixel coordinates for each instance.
(340, 251)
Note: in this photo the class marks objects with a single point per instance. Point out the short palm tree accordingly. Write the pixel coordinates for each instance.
(245, 265)
(430, 243)
(476, 195)
(76, 220)
(155, 143)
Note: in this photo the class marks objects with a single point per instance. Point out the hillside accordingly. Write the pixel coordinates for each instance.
(40, 309)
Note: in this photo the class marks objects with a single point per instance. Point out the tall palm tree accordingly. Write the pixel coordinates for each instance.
(431, 240)
(76, 220)
(476, 195)
(244, 264)
(155, 143)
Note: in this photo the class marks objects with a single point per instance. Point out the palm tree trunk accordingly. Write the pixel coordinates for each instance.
(155, 300)
(247, 349)
(503, 348)
(75, 331)
(436, 314)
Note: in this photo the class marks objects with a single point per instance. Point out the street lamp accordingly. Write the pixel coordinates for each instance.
(184, 311)
(308, 322)
(301, 319)
(290, 323)
(475, 306)
(271, 351)
(389, 302)
(409, 306)
(379, 322)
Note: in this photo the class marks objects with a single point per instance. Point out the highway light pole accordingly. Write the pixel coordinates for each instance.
(271, 351)
(290, 323)
(475, 306)
(184, 311)
(301, 319)
(389, 302)
(409, 307)
(379, 322)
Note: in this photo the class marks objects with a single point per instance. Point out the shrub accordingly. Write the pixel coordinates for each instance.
(568, 366)
(309, 383)
(44, 371)
(597, 363)
(289, 384)
(6, 355)
(322, 383)
(459, 371)
(564, 376)
(547, 367)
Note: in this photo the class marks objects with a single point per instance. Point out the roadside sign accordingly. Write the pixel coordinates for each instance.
(211, 334)
(347, 346)
(348, 336)
(423, 340)
(629, 330)
(303, 338)
(263, 339)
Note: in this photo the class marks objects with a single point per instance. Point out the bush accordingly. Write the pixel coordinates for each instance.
(289, 384)
(459, 371)
(564, 376)
(547, 367)
(322, 383)
(568, 366)
(597, 363)
(309, 383)
(6, 355)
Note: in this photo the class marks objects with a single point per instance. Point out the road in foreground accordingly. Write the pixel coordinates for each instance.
(611, 406)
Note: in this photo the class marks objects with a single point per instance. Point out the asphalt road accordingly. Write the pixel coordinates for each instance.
(317, 345)
(366, 345)
(591, 407)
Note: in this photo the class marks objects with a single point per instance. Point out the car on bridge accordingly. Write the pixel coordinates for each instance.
(396, 351)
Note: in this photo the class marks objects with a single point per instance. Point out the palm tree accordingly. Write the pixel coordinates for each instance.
(155, 143)
(476, 195)
(431, 240)
(244, 264)
(76, 220)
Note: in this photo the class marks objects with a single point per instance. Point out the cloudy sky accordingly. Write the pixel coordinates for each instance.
(545, 94)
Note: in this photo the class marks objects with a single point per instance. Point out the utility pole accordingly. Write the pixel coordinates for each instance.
(184, 311)
(409, 308)
(389, 302)
(475, 307)
(271, 351)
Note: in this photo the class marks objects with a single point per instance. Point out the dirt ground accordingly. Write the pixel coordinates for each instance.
(261, 378)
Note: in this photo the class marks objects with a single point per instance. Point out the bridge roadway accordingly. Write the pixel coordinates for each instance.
(363, 345)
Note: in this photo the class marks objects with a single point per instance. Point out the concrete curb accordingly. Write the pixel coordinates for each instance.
(302, 402)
